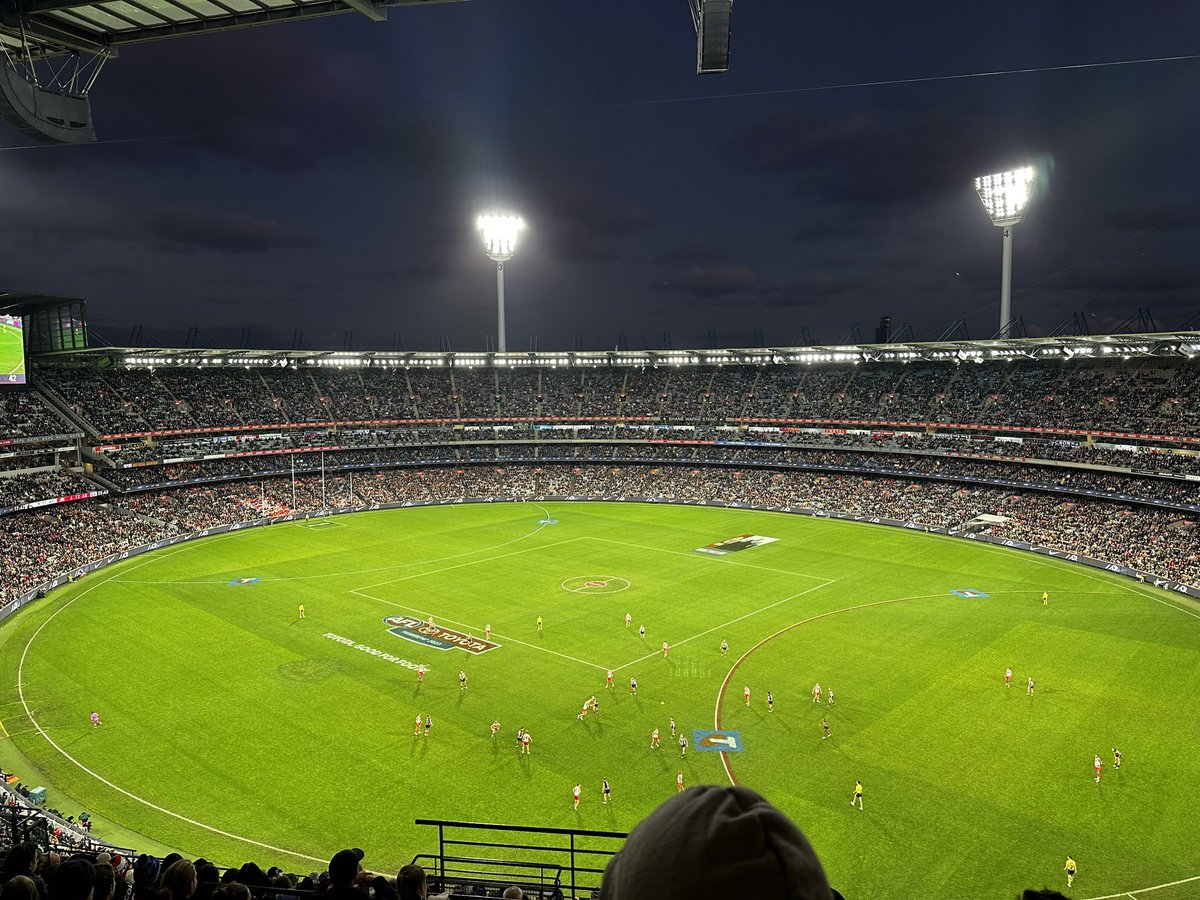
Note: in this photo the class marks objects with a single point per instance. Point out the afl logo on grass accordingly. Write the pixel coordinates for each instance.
(596, 584)
(436, 637)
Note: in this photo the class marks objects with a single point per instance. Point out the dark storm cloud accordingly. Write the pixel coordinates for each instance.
(743, 286)
(1130, 279)
(808, 292)
(429, 270)
(587, 224)
(869, 158)
(688, 255)
(1174, 217)
(191, 231)
(705, 282)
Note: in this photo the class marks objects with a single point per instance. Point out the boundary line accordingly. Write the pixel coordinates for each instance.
(725, 685)
(33, 721)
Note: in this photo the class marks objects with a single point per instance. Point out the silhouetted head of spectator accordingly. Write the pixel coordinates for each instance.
(382, 888)
(344, 867)
(145, 870)
(73, 879)
(178, 880)
(252, 876)
(106, 881)
(22, 859)
(21, 887)
(715, 842)
(411, 884)
(513, 893)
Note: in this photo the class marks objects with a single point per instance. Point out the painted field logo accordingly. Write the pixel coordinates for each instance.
(968, 593)
(735, 544)
(596, 584)
(717, 741)
(240, 581)
(435, 636)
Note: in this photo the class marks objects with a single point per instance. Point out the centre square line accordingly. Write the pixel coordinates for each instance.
(362, 592)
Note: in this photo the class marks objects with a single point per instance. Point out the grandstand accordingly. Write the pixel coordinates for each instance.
(1078, 448)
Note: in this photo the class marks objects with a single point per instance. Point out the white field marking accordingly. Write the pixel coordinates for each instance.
(741, 659)
(1112, 580)
(33, 721)
(463, 565)
(727, 624)
(690, 552)
(833, 612)
(510, 640)
(391, 568)
(583, 588)
(1146, 890)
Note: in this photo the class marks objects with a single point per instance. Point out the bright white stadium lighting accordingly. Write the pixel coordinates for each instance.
(1006, 196)
(499, 233)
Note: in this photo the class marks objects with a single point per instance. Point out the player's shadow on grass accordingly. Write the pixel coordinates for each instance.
(461, 695)
(661, 757)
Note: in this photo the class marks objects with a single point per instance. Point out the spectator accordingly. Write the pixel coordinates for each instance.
(345, 871)
(73, 879)
(21, 887)
(178, 881)
(715, 842)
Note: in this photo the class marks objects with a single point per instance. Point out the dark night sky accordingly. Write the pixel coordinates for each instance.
(324, 175)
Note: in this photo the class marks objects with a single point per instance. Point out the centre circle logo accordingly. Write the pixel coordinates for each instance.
(596, 584)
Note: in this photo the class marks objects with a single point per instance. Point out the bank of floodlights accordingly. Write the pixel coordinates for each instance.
(499, 233)
(1006, 196)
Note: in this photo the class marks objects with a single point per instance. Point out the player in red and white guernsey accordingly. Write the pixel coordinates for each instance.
(654, 740)
(746, 694)
(679, 782)
(417, 727)
(575, 792)
(1097, 762)
(817, 693)
(1008, 677)
(583, 714)
(608, 682)
(495, 731)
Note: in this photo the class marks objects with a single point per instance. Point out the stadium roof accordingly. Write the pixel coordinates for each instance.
(1178, 344)
(54, 27)
(22, 301)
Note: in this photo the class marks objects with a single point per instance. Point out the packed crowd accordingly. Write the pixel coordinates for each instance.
(26, 414)
(1142, 396)
(45, 544)
(31, 486)
(102, 873)
(868, 456)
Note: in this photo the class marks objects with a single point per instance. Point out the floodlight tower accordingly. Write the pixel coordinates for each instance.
(499, 234)
(1005, 196)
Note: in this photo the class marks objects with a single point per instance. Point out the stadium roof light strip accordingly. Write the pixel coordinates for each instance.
(1179, 344)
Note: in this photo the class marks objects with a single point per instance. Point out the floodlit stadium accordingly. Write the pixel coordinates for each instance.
(246, 556)
(904, 616)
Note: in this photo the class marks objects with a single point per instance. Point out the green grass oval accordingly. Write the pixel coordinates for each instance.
(221, 706)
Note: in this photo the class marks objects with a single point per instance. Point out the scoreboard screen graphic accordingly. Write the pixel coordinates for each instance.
(12, 351)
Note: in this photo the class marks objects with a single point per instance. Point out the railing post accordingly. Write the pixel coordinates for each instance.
(572, 864)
